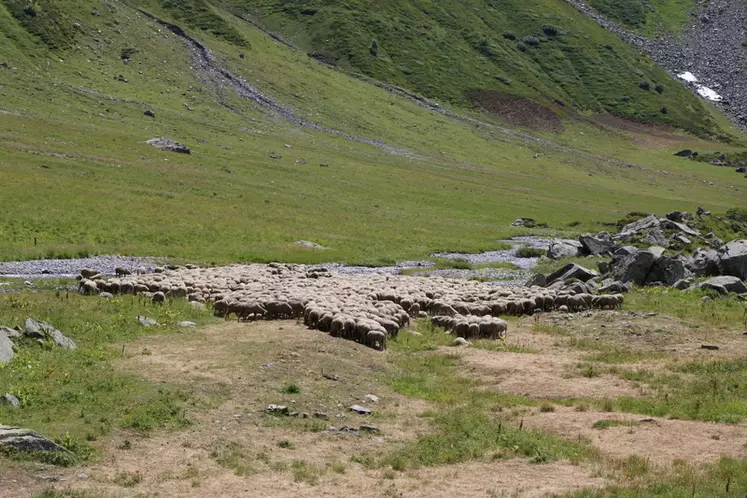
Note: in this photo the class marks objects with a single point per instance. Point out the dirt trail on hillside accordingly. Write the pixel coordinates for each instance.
(220, 77)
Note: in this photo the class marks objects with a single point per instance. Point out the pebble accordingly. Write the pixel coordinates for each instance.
(72, 267)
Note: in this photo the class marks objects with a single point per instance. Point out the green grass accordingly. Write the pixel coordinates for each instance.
(724, 479)
(724, 311)
(467, 423)
(77, 395)
(650, 18)
(80, 135)
(232, 456)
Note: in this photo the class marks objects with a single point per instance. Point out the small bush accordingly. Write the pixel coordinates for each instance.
(644, 85)
(521, 47)
(285, 444)
(291, 388)
(503, 80)
(529, 252)
(659, 88)
(532, 41)
(509, 36)
(550, 30)
(664, 110)
(374, 48)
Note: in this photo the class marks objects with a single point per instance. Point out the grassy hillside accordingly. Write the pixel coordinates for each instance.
(76, 176)
(650, 17)
(544, 50)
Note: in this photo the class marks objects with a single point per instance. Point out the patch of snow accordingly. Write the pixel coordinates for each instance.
(709, 94)
(688, 76)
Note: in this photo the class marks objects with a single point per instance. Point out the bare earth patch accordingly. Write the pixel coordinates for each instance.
(660, 440)
(540, 376)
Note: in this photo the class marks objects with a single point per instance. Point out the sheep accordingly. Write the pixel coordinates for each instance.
(158, 298)
(376, 339)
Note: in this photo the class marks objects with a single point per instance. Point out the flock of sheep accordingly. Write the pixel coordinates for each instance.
(367, 309)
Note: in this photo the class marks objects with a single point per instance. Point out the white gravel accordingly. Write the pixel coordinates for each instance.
(72, 267)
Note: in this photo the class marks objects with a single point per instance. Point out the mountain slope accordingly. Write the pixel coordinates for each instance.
(541, 49)
(400, 180)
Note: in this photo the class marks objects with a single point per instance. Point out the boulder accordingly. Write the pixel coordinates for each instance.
(657, 251)
(564, 248)
(734, 259)
(704, 263)
(667, 270)
(615, 287)
(10, 400)
(595, 245)
(538, 280)
(603, 266)
(572, 270)
(577, 288)
(167, 144)
(683, 284)
(26, 440)
(730, 284)
(146, 322)
(680, 237)
(686, 153)
(634, 267)
(6, 348)
(650, 221)
(673, 225)
(44, 331)
(656, 237)
(679, 216)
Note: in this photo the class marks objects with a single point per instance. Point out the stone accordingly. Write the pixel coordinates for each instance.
(564, 248)
(150, 113)
(656, 237)
(703, 212)
(310, 245)
(709, 347)
(730, 284)
(686, 153)
(146, 322)
(106, 295)
(277, 409)
(667, 270)
(633, 267)
(169, 145)
(733, 258)
(13, 333)
(321, 415)
(596, 246)
(88, 273)
(603, 267)
(678, 216)
(186, 324)
(360, 410)
(26, 440)
(650, 221)
(577, 288)
(704, 262)
(461, 341)
(538, 280)
(680, 237)
(683, 284)
(197, 304)
(44, 331)
(10, 400)
(7, 349)
(673, 225)
(615, 287)
(372, 398)
(657, 251)
(572, 270)
(369, 428)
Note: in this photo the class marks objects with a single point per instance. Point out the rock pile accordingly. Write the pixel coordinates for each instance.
(41, 332)
(365, 308)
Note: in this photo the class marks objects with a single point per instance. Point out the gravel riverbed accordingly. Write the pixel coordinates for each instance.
(72, 267)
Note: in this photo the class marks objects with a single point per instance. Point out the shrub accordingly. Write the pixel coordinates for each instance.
(521, 47)
(509, 36)
(644, 85)
(529, 252)
(374, 48)
(550, 30)
(659, 88)
(291, 388)
(664, 110)
(503, 80)
(532, 41)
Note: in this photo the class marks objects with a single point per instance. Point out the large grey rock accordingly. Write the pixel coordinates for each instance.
(626, 251)
(595, 246)
(538, 280)
(704, 262)
(6, 348)
(731, 284)
(146, 322)
(634, 267)
(681, 238)
(734, 259)
(667, 270)
(10, 400)
(44, 331)
(673, 225)
(26, 440)
(657, 251)
(564, 248)
(615, 287)
(167, 144)
(683, 284)
(679, 216)
(649, 221)
(12, 333)
(577, 288)
(572, 270)
(656, 237)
